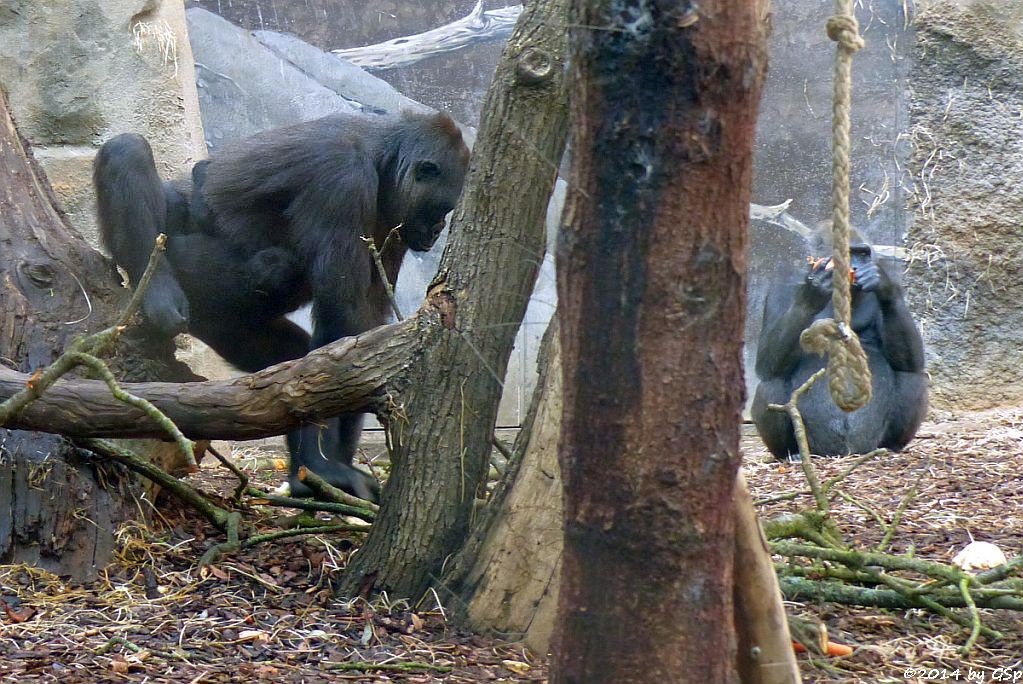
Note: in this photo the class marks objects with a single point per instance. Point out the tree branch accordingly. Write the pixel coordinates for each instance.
(352, 374)
(476, 27)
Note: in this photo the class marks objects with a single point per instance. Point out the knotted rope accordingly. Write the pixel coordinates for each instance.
(848, 371)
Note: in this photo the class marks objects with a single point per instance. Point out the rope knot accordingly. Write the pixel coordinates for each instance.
(848, 370)
(845, 30)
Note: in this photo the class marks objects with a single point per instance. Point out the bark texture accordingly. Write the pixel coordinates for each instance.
(56, 512)
(353, 374)
(651, 286)
(441, 434)
(505, 579)
(765, 654)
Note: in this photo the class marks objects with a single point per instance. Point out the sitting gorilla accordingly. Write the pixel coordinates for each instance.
(273, 223)
(894, 351)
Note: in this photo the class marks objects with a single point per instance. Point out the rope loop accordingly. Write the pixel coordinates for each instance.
(848, 370)
(845, 30)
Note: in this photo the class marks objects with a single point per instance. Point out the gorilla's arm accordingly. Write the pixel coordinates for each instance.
(787, 313)
(900, 339)
(328, 220)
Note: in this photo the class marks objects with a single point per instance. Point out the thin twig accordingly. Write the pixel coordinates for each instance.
(382, 272)
(284, 534)
(243, 479)
(784, 496)
(964, 588)
(901, 510)
(230, 546)
(792, 409)
(325, 490)
(848, 498)
(385, 667)
(97, 366)
(142, 285)
(219, 517)
(312, 505)
(831, 482)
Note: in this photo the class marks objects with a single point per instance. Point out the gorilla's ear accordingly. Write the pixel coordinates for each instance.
(425, 170)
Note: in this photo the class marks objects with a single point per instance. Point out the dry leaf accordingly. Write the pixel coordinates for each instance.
(18, 616)
(516, 666)
(258, 636)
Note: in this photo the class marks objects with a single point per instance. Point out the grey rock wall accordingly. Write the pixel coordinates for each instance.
(966, 247)
(78, 72)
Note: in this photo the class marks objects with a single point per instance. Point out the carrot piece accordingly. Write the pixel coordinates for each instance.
(833, 649)
(839, 650)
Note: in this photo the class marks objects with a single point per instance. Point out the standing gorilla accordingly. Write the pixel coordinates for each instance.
(894, 351)
(275, 222)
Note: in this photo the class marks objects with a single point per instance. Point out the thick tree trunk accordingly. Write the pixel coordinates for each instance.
(505, 579)
(55, 511)
(651, 286)
(441, 435)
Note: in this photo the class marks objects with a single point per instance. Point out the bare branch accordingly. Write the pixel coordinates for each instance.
(351, 374)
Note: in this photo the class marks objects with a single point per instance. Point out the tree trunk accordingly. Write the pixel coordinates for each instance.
(505, 579)
(441, 435)
(651, 287)
(56, 512)
(765, 654)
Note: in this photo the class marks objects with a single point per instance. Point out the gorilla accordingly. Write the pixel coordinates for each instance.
(894, 352)
(273, 223)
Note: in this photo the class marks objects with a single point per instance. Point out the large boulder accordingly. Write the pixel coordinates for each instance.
(255, 81)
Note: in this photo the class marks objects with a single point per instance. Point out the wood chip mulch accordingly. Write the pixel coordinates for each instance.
(968, 470)
(268, 613)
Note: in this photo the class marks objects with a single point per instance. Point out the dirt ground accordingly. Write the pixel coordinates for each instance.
(967, 470)
(268, 614)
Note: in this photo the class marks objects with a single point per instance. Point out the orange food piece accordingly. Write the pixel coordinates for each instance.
(839, 650)
(833, 649)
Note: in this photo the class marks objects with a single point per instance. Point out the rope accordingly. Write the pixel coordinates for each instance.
(848, 370)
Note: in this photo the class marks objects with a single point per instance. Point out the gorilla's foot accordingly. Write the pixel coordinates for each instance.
(341, 475)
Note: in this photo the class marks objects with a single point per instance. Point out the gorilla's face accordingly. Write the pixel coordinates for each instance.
(433, 192)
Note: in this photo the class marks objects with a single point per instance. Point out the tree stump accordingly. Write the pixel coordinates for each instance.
(58, 510)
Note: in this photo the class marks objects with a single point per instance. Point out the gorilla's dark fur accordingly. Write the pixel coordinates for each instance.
(888, 335)
(274, 222)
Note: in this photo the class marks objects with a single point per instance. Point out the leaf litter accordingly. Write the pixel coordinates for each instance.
(269, 613)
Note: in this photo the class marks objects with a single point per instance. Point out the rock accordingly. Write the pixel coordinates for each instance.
(964, 279)
(78, 72)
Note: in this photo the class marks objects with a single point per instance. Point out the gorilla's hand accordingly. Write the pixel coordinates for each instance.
(888, 287)
(868, 276)
(816, 290)
(165, 306)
